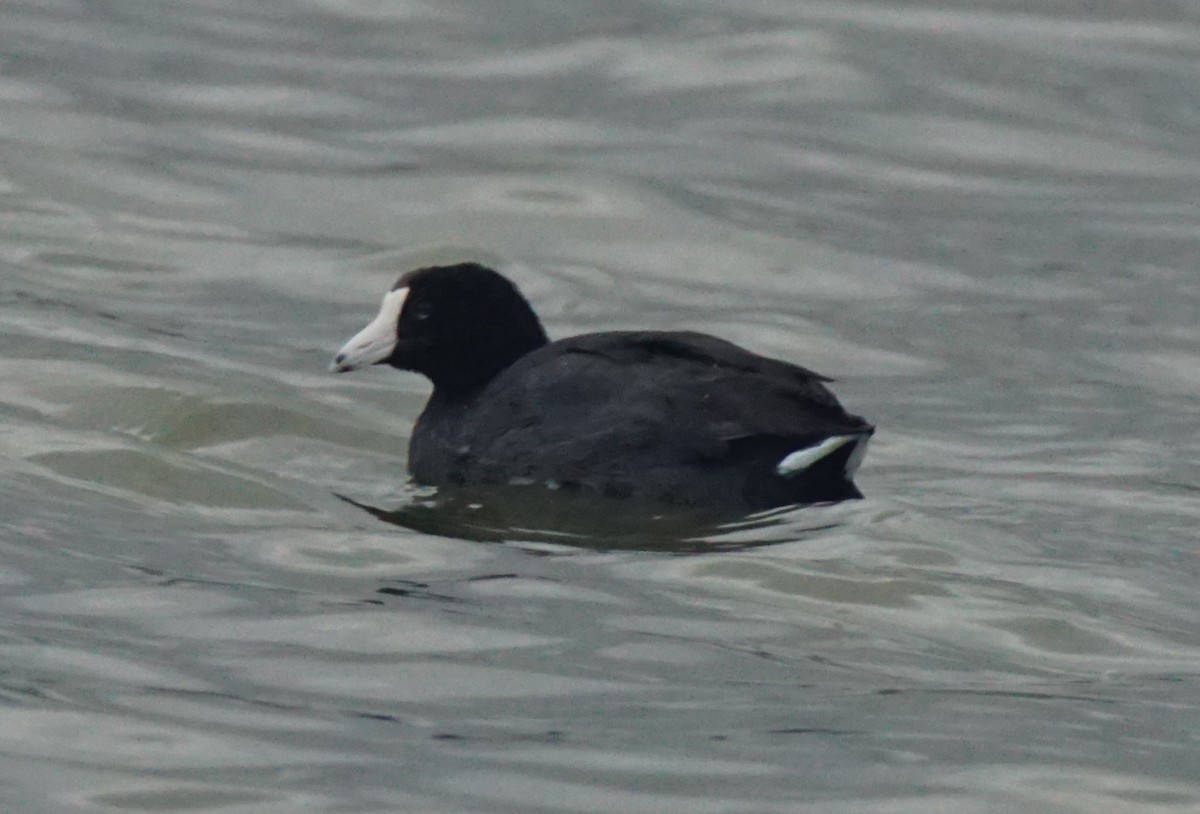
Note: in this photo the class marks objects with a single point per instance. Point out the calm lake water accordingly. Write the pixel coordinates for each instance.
(982, 218)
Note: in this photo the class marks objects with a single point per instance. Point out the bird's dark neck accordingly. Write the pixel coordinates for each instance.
(459, 374)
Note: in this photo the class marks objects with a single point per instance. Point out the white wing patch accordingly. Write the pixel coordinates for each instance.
(802, 459)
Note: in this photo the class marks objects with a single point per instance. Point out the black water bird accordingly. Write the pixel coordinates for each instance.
(662, 416)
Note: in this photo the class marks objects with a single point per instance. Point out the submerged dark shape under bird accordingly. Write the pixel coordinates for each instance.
(663, 416)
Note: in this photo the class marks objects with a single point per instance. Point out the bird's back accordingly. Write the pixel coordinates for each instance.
(684, 418)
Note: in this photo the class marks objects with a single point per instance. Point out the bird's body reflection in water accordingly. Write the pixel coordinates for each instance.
(588, 521)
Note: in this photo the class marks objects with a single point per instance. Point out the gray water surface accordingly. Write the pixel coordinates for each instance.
(982, 218)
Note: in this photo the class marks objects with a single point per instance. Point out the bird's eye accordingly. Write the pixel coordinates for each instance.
(421, 312)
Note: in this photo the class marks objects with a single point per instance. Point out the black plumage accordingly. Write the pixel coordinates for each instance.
(675, 417)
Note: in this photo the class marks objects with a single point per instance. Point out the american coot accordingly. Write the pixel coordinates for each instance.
(675, 417)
